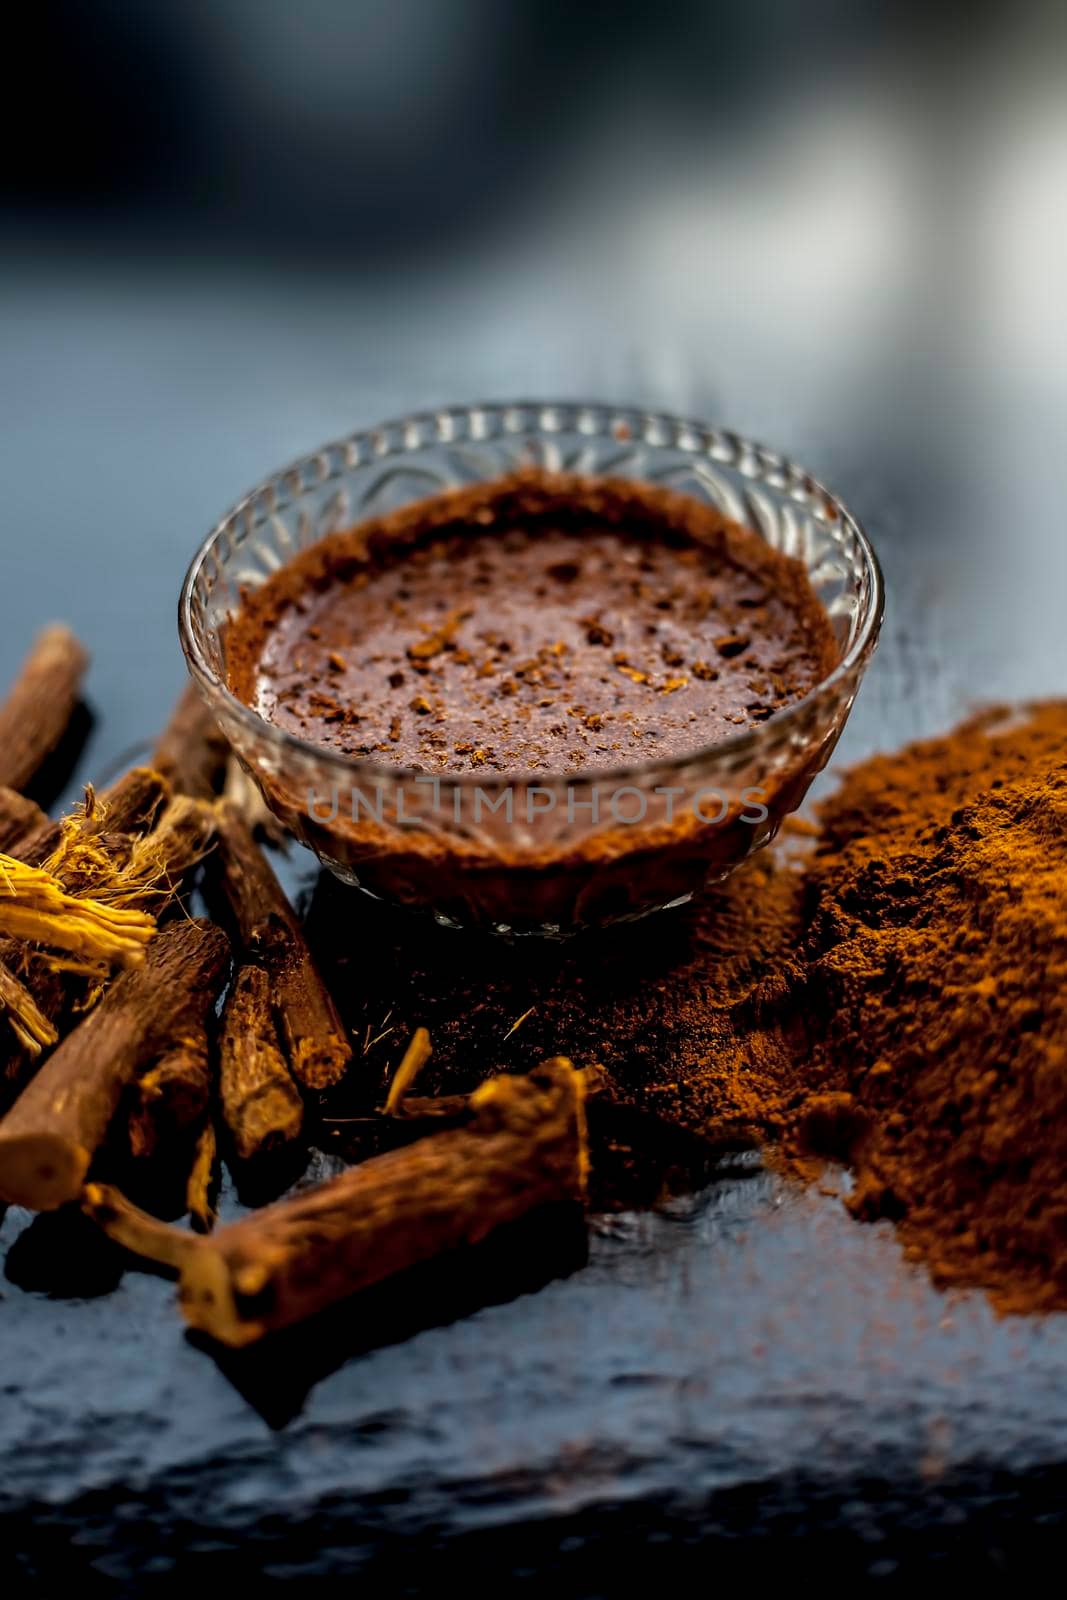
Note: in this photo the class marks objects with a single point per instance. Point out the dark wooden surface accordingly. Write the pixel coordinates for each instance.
(746, 1383)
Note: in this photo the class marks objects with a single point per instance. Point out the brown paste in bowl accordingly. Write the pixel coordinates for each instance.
(540, 627)
(531, 625)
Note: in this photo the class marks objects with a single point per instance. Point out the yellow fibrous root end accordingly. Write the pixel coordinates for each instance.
(34, 906)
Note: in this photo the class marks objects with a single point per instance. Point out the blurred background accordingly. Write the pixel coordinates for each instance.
(232, 229)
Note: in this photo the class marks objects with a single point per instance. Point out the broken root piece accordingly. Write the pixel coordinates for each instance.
(311, 1031)
(524, 1149)
(261, 1105)
(58, 1122)
(414, 1059)
(173, 1096)
(40, 704)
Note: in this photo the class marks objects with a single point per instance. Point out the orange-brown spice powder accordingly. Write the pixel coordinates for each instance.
(932, 986)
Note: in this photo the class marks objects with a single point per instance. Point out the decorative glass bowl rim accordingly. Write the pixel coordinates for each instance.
(445, 425)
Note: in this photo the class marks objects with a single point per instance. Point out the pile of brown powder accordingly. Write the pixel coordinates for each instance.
(896, 1000)
(932, 983)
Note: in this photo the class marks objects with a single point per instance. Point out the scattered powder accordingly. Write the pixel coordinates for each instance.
(891, 992)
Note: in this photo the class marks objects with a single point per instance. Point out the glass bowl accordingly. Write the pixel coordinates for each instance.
(547, 854)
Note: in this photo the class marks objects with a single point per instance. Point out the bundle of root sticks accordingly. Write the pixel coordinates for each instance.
(122, 1084)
